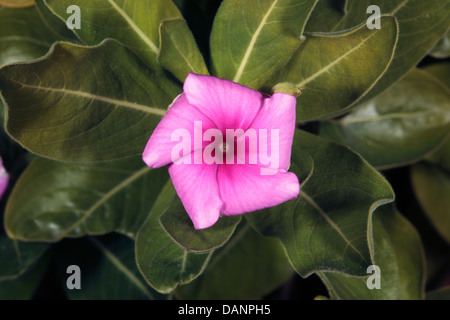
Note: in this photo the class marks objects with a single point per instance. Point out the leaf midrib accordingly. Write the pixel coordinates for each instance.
(313, 204)
(122, 103)
(122, 268)
(193, 69)
(104, 199)
(135, 27)
(399, 7)
(335, 62)
(255, 36)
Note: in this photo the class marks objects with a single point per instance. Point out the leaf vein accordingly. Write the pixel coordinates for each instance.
(329, 221)
(255, 36)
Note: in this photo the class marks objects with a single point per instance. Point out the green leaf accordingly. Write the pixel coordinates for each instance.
(328, 226)
(398, 254)
(199, 15)
(442, 49)
(133, 23)
(326, 16)
(249, 262)
(108, 269)
(431, 185)
(439, 294)
(161, 261)
(178, 51)
(421, 25)
(178, 225)
(334, 70)
(17, 257)
(16, 3)
(84, 103)
(55, 200)
(442, 156)
(54, 23)
(15, 159)
(440, 71)
(252, 39)
(22, 288)
(399, 126)
(25, 34)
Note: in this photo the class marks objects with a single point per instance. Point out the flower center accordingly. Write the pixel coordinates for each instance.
(223, 147)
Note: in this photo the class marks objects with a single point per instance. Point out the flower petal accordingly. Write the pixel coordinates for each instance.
(180, 115)
(243, 189)
(228, 104)
(196, 185)
(4, 179)
(276, 115)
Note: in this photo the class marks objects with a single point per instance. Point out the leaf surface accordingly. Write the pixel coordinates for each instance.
(399, 126)
(84, 103)
(328, 226)
(54, 200)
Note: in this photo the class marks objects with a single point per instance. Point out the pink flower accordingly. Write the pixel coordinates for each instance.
(4, 179)
(216, 138)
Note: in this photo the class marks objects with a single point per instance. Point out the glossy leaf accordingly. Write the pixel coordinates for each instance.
(334, 70)
(326, 16)
(442, 49)
(440, 71)
(23, 288)
(162, 262)
(25, 34)
(16, 3)
(15, 159)
(327, 227)
(442, 156)
(17, 257)
(84, 103)
(432, 187)
(55, 200)
(133, 23)
(421, 25)
(108, 269)
(251, 40)
(199, 15)
(54, 23)
(399, 255)
(178, 225)
(399, 126)
(247, 267)
(178, 51)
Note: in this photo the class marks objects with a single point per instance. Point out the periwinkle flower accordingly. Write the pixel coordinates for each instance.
(4, 179)
(228, 148)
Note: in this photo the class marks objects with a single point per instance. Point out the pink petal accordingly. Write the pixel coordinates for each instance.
(181, 115)
(228, 104)
(4, 179)
(243, 188)
(277, 114)
(196, 185)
